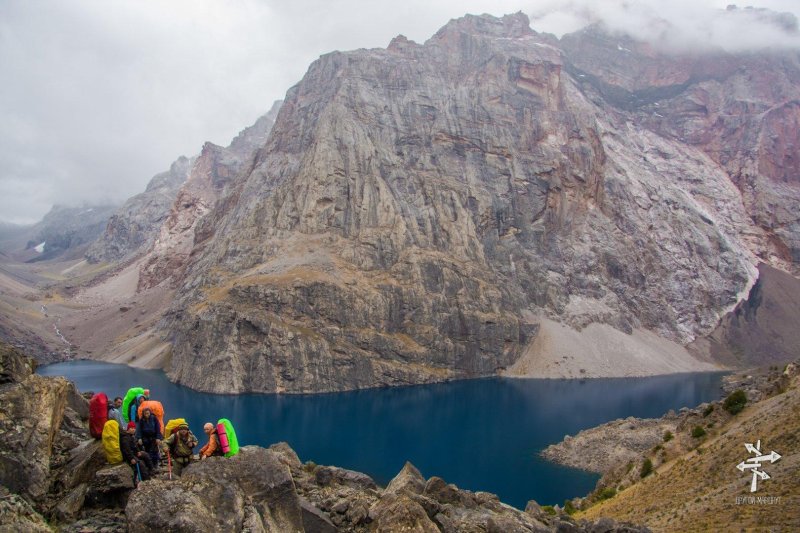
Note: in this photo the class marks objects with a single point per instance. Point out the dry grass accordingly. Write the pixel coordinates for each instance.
(698, 491)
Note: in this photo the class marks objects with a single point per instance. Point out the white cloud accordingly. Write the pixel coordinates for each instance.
(677, 25)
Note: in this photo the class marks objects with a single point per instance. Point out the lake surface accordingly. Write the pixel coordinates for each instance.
(480, 434)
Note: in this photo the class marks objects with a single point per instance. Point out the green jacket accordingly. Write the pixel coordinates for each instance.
(178, 446)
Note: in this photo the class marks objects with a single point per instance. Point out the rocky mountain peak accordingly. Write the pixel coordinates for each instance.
(513, 26)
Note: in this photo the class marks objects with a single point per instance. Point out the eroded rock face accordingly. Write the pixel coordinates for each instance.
(416, 208)
(135, 225)
(30, 416)
(220, 494)
(208, 178)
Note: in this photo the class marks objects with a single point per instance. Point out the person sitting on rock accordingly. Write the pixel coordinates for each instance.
(180, 445)
(131, 454)
(213, 447)
(115, 412)
(148, 433)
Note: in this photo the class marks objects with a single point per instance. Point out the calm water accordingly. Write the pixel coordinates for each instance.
(480, 434)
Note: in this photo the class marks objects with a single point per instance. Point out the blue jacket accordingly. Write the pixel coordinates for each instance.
(149, 429)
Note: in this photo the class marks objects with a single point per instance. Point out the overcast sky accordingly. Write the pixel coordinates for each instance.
(97, 96)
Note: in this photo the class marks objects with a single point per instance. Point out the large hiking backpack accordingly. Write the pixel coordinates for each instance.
(98, 414)
(111, 442)
(130, 397)
(156, 409)
(172, 426)
(227, 438)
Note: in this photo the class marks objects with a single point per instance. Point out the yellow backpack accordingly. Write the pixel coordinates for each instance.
(111, 442)
(172, 424)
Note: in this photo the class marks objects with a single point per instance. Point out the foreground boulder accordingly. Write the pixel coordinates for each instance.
(220, 494)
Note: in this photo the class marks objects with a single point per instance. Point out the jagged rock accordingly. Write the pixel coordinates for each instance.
(14, 366)
(185, 506)
(400, 513)
(260, 478)
(111, 486)
(314, 519)
(442, 492)
(409, 479)
(509, 182)
(326, 475)
(69, 508)
(99, 521)
(84, 463)
(31, 412)
(286, 455)
(135, 224)
(207, 181)
(77, 403)
(17, 515)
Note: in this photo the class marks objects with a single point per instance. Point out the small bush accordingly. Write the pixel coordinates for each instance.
(569, 508)
(549, 509)
(606, 493)
(668, 436)
(735, 402)
(647, 468)
(698, 432)
(708, 410)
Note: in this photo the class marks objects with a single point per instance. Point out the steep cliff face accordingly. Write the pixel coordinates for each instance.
(208, 178)
(173, 200)
(134, 225)
(742, 111)
(415, 209)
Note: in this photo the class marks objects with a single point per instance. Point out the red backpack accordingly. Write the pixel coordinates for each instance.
(98, 414)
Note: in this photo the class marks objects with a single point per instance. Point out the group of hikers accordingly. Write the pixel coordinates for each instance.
(133, 431)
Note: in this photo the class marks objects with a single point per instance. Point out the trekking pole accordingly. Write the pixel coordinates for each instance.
(138, 472)
(169, 465)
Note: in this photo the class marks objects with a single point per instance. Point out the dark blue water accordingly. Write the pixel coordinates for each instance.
(481, 434)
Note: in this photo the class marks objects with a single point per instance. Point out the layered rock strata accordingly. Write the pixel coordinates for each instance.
(417, 211)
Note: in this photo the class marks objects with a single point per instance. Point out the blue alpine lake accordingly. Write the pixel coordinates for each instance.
(482, 435)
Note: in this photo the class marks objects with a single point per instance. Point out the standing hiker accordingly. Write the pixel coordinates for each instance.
(180, 446)
(148, 433)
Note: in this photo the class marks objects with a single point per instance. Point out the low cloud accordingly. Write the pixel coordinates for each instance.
(679, 25)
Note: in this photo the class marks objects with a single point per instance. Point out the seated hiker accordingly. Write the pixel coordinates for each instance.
(180, 446)
(148, 433)
(131, 454)
(115, 412)
(213, 447)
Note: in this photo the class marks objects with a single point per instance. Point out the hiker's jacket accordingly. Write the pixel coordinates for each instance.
(213, 447)
(127, 445)
(116, 414)
(179, 447)
(148, 428)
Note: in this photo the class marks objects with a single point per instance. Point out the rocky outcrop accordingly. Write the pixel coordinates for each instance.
(694, 469)
(417, 211)
(739, 110)
(208, 179)
(763, 329)
(135, 225)
(65, 232)
(174, 200)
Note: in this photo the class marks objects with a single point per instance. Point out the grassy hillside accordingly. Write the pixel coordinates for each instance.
(703, 490)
